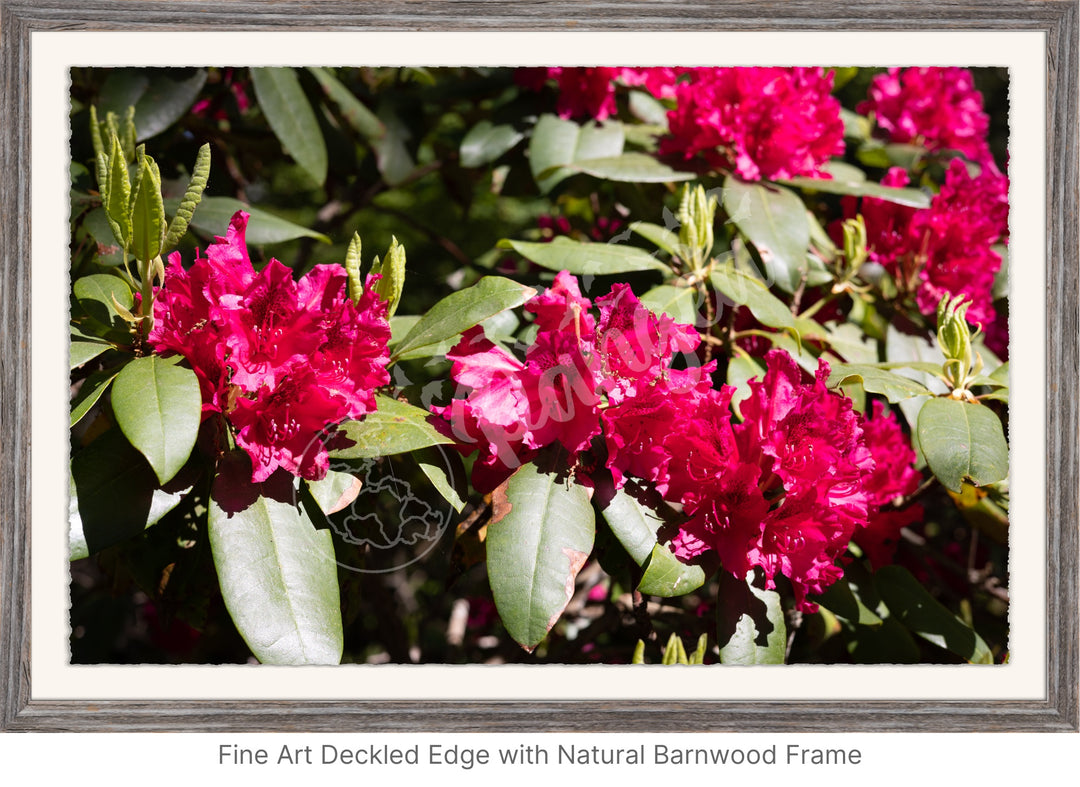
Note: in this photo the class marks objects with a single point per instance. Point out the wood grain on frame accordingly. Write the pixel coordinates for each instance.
(1058, 711)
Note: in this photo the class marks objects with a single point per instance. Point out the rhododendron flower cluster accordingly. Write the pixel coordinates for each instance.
(947, 247)
(784, 490)
(575, 369)
(936, 107)
(758, 122)
(280, 359)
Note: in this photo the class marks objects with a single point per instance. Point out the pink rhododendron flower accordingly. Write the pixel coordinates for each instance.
(936, 107)
(513, 408)
(281, 360)
(660, 81)
(964, 220)
(783, 490)
(590, 92)
(583, 92)
(894, 476)
(947, 247)
(758, 122)
(576, 370)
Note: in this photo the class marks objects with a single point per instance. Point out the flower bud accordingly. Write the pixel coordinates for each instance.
(855, 253)
(697, 215)
(954, 337)
(953, 333)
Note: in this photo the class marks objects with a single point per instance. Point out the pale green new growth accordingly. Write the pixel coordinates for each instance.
(199, 177)
(352, 268)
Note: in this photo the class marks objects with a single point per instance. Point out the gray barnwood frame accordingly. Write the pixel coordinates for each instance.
(1056, 18)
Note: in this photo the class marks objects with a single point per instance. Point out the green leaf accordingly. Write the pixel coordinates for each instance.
(450, 485)
(839, 599)
(215, 213)
(586, 259)
(394, 428)
(875, 380)
(911, 197)
(661, 237)
(97, 224)
(84, 352)
(679, 303)
(186, 209)
(963, 442)
(392, 157)
(889, 643)
(648, 109)
(774, 220)
(667, 576)
(98, 295)
(291, 118)
(752, 293)
(856, 126)
(362, 119)
(165, 101)
(123, 88)
(630, 168)
(158, 407)
(644, 136)
(750, 626)
(904, 347)
(459, 311)
(278, 577)
(633, 525)
(334, 491)
(741, 369)
(114, 495)
(147, 210)
(535, 550)
(848, 344)
(556, 143)
(485, 142)
(89, 394)
(912, 605)
(117, 195)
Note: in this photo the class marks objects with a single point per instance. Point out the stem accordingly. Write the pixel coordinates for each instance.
(903, 502)
(752, 332)
(814, 308)
(146, 308)
(710, 317)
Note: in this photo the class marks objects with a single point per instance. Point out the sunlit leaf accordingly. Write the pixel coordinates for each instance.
(539, 540)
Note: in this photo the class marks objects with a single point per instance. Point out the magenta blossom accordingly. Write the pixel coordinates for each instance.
(578, 374)
(782, 491)
(946, 248)
(280, 360)
(590, 92)
(761, 123)
(583, 92)
(894, 477)
(936, 107)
